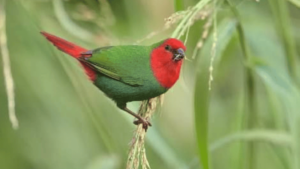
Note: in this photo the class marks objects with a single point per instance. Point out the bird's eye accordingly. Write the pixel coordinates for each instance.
(168, 47)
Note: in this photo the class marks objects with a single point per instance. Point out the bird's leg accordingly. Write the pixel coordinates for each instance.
(139, 118)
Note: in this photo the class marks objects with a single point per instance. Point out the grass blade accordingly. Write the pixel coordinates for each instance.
(295, 2)
(283, 23)
(202, 95)
(278, 138)
(178, 5)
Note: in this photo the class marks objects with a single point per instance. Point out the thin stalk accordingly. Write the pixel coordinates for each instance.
(137, 152)
(251, 113)
(9, 82)
(268, 136)
(186, 21)
(283, 155)
(283, 23)
(249, 85)
(238, 153)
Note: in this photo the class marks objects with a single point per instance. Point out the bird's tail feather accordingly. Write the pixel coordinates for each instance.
(71, 49)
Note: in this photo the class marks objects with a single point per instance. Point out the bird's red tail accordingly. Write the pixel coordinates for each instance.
(72, 50)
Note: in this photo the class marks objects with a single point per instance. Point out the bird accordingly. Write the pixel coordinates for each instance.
(129, 73)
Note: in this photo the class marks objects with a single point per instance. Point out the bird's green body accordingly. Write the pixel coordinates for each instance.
(128, 75)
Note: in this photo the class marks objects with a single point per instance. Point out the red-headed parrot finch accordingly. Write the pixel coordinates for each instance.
(129, 73)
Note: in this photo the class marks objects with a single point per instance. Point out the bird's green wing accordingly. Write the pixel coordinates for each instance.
(127, 64)
(105, 71)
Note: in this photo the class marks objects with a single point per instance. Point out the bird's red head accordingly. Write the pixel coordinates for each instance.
(166, 61)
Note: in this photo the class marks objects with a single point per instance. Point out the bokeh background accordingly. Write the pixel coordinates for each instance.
(248, 120)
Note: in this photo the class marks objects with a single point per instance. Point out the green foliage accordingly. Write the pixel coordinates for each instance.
(249, 118)
(178, 5)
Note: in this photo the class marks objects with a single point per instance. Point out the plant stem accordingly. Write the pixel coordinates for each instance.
(137, 151)
(178, 5)
(283, 23)
(9, 82)
(186, 21)
(249, 85)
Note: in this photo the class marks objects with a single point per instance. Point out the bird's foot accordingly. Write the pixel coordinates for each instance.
(144, 122)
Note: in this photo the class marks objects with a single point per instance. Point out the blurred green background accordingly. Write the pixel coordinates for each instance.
(249, 120)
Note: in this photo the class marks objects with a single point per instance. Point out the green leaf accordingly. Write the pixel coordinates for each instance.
(295, 2)
(274, 137)
(283, 23)
(278, 80)
(201, 101)
(178, 5)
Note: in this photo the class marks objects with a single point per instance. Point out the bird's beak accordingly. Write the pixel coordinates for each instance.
(179, 54)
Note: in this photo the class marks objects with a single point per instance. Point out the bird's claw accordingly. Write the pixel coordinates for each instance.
(144, 122)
